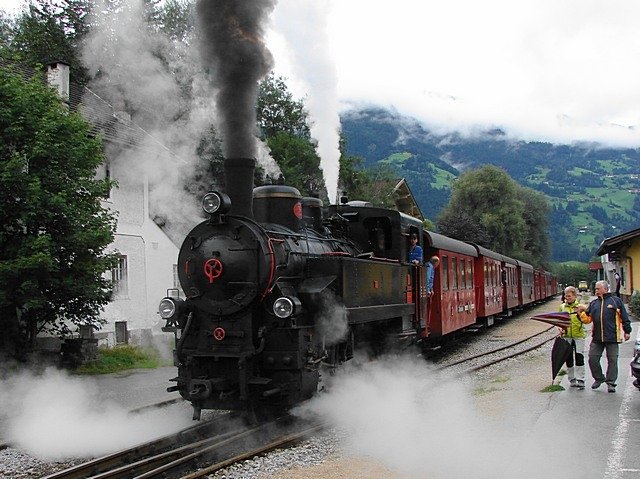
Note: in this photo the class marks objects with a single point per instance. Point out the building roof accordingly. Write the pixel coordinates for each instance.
(614, 243)
(105, 121)
(405, 201)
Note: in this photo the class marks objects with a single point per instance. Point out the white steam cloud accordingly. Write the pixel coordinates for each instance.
(123, 55)
(422, 424)
(331, 319)
(303, 23)
(54, 416)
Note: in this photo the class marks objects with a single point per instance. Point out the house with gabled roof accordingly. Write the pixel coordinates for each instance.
(621, 253)
(147, 255)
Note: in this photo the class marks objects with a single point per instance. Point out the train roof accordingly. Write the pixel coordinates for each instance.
(410, 220)
(439, 241)
(481, 250)
(522, 264)
(509, 260)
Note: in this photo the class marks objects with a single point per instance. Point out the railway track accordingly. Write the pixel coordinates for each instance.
(194, 452)
(111, 462)
(514, 349)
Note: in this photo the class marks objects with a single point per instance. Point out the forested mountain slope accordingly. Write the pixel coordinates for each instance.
(594, 191)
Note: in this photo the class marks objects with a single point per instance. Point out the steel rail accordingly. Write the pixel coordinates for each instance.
(276, 443)
(116, 459)
(493, 351)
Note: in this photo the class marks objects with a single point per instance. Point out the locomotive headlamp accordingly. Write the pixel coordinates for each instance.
(169, 307)
(284, 307)
(215, 202)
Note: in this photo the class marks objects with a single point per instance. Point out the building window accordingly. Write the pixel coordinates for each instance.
(120, 278)
(122, 336)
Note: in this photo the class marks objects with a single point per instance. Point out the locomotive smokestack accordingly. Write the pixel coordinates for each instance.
(234, 52)
(239, 178)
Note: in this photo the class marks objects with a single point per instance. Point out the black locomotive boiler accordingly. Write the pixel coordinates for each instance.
(274, 293)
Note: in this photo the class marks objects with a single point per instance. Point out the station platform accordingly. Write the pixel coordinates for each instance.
(588, 434)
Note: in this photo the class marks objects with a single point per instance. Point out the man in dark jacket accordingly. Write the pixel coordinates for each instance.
(610, 325)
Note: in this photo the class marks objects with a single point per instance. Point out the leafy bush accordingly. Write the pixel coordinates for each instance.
(634, 304)
(111, 360)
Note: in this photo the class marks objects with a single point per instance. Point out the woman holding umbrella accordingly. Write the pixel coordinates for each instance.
(575, 335)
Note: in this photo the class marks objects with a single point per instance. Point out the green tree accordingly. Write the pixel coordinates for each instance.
(298, 161)
(369, 184)
(489, 208)
(282, 121)
(54, 231)
(537, 211)
(278, 112)
(48, 31)
(463, 226)
(489, 196)
(176, 19)
(571, 272)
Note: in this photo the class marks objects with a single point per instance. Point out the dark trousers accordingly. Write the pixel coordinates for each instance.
(579, 356)
(595, 353)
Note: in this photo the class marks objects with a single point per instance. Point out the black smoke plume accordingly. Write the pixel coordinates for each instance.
(233, 49)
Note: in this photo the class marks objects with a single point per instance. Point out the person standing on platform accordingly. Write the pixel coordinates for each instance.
(574, 335)
(618, 280)
(611, 326)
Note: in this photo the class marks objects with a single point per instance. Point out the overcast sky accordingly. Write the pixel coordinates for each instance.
(540, 69)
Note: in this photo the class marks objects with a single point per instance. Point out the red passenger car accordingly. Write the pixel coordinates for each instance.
(488, 283)
(526, 289)
(538, 284)
(452, 305)
(509, 285)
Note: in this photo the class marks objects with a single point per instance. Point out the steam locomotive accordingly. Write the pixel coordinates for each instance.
(279, 290)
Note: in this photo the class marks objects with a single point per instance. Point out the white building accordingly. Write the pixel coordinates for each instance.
(148, 257)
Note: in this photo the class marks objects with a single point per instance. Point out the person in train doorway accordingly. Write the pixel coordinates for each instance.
(415, 250)
(618, 280)
(416, 258)
(433, 263)
(575, 335)
(611, 326)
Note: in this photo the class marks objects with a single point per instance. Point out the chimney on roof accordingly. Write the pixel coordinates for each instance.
(58, 78)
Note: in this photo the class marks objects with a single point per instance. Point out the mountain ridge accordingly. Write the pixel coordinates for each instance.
(594, 190)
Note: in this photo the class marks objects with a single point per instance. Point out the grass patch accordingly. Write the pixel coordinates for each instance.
(562, 372)
(443, 178)
(552, 388)
(120, 358)
(500, 379)
(397, 159)
(483, 391)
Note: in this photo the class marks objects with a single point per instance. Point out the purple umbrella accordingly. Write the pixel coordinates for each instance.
(562, 320)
